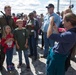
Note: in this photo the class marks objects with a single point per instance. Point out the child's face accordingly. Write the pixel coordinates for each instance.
(19, 24)
(7, 29)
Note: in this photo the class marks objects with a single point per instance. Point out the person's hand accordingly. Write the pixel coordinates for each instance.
(25, 25)
(0, 40)
(26, 46)
(17, 46)
(11, 39)
(8, 40)
(38, 31)
(32, 26)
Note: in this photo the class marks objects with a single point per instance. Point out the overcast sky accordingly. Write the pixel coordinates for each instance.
(26, 6)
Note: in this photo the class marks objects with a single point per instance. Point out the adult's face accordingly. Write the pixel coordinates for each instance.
(35, 15)
(32, 16)
(8, 11)
(67, 25)
(50, 10)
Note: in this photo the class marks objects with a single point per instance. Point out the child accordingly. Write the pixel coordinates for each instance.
(7, 42)
(21, 39)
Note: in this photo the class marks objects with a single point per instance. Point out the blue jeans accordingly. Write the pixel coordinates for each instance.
(25, 56)
(33, 46)
(47, 43)
(9, 56)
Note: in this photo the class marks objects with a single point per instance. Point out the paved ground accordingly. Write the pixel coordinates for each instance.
(37, 67)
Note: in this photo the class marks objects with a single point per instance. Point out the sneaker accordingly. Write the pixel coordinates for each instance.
(41, 48)
(30, 55)
(28, 67)
(19, 65)
(9, 68)
(35, 58)
(1, 68)
(12, 67)
(13, 64)
(43, 56)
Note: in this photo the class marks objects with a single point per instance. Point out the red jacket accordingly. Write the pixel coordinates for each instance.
(7, 45)
(15, 18)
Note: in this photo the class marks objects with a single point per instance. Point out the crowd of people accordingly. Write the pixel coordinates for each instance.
(22, 31)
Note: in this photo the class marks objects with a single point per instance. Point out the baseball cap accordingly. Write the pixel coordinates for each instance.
(50, 5)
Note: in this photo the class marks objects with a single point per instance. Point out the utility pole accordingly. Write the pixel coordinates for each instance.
(58, 5)
(70, 2)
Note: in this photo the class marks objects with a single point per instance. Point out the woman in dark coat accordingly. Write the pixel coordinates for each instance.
(66, 41)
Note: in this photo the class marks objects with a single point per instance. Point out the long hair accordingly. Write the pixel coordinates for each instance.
(71, 18)
(4, 32)
(68, 10)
